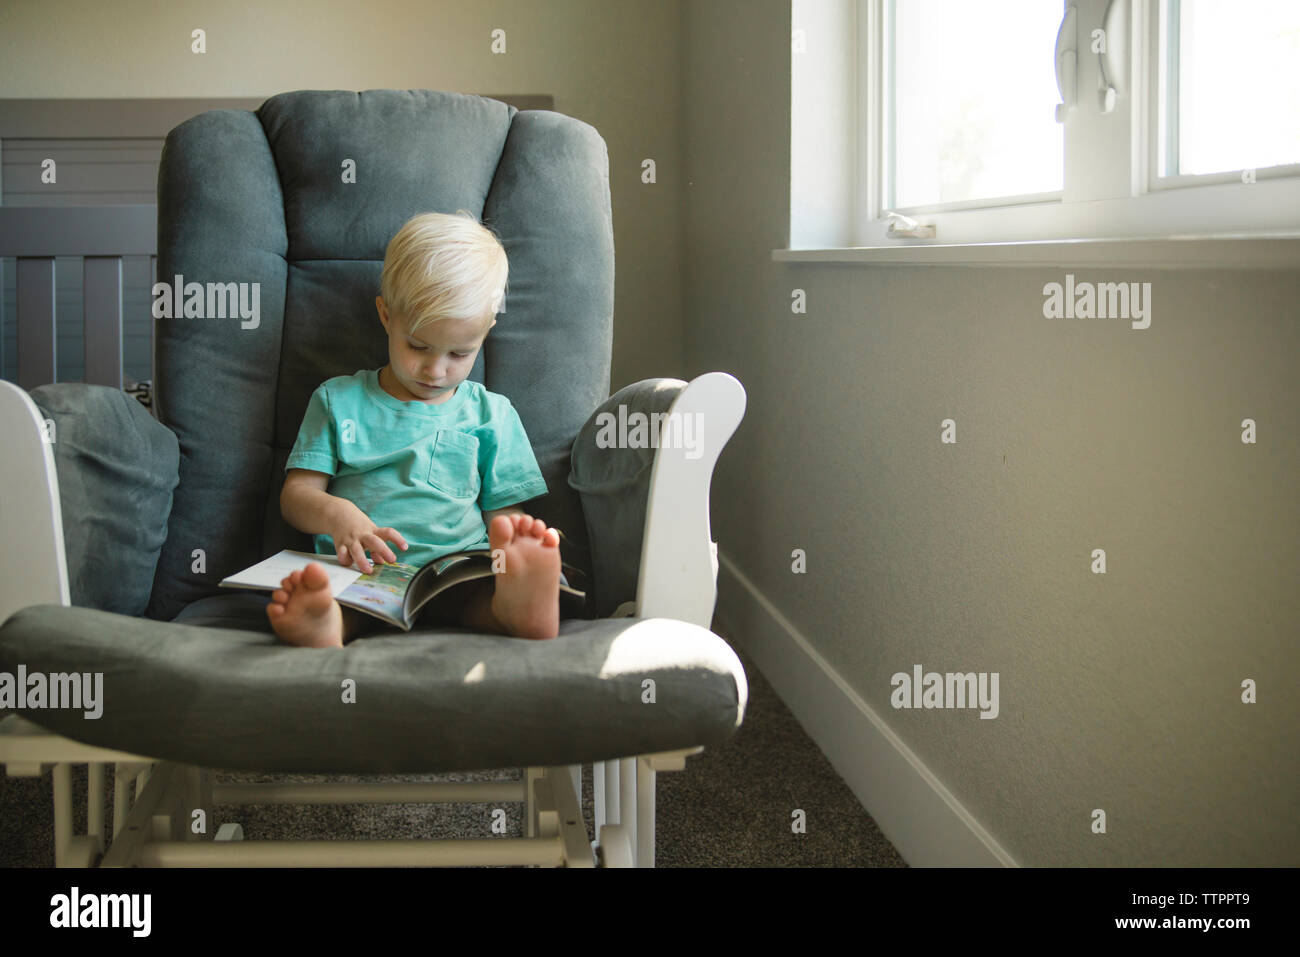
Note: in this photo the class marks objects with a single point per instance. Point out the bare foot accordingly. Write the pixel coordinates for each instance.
(303, 612)
(527, 596)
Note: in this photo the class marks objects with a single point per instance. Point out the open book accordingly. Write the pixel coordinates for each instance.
(392, 593)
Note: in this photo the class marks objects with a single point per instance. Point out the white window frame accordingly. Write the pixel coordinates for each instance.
(1112, 196)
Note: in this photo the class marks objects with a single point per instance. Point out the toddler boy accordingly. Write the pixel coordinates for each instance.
(416, 455)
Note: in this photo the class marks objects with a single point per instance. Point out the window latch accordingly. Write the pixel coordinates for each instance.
(904, 227)
(1111, 47)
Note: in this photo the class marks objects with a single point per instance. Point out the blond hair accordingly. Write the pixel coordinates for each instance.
(441, 266)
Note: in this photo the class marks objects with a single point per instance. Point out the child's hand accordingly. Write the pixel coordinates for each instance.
(353, 532)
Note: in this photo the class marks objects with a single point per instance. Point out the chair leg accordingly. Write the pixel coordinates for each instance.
(627, 803)
(154, 816)
(645, 813)
(70, 849)
(95, 804)
(198, 797)
(611, 792)
(168, 795)
(530, 806)
(627, 833)
(618, 833)
(563, 816)
(597, 800)
(575, 774)
(62, 813)
(121, 796)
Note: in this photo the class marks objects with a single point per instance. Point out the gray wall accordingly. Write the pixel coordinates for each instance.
(613, 65)
(1119, 691)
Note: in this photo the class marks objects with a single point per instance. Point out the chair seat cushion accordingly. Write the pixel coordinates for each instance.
(217, 689)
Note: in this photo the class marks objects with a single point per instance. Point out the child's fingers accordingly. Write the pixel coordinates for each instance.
(380, 548)
(358, 554)
(392, 535)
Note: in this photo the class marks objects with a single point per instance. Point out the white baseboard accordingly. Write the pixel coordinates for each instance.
(915, 811)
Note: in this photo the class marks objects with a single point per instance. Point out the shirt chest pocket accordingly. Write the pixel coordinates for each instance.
(454, 468)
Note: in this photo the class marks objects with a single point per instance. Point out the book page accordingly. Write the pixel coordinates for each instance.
(447, 571)
(381, 592)
(268, 573)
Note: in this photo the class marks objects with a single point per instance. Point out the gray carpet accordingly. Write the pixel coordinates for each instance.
(730, 807)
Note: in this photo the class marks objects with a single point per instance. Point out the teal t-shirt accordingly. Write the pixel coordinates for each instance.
(429, 471)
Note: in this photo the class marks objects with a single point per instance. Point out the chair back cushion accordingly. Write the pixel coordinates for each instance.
(264, 199)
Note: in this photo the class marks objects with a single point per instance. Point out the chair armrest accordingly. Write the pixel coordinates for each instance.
(33, 569)
(91, 494)
(647, 507)
(614, 485)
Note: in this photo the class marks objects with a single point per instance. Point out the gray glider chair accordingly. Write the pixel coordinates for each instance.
(118, 525)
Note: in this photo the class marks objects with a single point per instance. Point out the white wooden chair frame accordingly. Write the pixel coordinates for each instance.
(677, 579)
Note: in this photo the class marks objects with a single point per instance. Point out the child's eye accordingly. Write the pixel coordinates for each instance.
(456, 355)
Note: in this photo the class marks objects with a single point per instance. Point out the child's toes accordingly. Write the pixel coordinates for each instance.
(502, 531)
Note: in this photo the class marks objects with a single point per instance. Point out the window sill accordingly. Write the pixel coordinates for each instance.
(1254, 251)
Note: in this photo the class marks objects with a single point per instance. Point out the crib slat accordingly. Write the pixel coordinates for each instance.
(103, 314)
(36, 359)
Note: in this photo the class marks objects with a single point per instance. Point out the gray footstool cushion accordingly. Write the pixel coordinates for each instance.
(219, 696)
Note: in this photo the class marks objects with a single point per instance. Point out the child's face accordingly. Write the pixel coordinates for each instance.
(429, 365)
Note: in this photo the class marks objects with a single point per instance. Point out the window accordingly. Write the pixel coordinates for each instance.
(963, 123)
(1177, 118)
(1229, 86)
